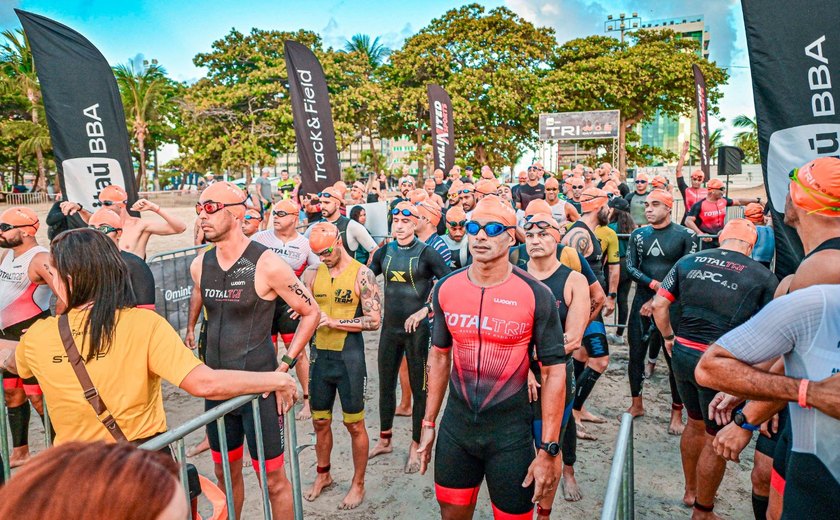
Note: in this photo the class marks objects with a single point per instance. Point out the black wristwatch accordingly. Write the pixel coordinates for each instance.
(741, 421)
(289, 361)
(612, 295)
(552, 448)
(669, 338)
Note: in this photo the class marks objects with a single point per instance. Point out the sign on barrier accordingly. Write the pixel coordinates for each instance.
(173, 284)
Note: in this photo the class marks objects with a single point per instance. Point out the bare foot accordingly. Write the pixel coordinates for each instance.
(322, 481)
(19, 456)
(635, 411)
(696, 514)
(304, 412)
(587, 416)
(413, 464)
(571, 490)
(689, 497)
(382, 446)
(403, 411)
(650, 367)
(676, 427)
(354, 497)
(584, 435)
(201, 447)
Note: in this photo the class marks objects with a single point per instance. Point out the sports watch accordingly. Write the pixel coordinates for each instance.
(741, 421)
(552, 448)
(289, 361)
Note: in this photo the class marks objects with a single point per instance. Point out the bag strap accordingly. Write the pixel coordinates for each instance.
(90, 392)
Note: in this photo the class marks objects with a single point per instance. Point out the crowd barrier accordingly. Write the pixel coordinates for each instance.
(25, 199)
(173, 283)
(5, 448)
(619, 499)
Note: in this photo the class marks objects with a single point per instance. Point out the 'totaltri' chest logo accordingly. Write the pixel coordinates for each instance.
(397, 276)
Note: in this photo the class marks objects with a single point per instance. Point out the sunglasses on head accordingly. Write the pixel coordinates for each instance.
(492, 229)
(211, 207)
(461, 223)
(252, 217)
(403, 212)
(8, 227)
(105, 228)
(539, 225)
(111, 202)
(281, 214)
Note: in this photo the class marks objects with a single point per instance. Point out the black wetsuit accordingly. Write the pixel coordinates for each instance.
(718, 290)
(651, 253)
(409, 272)
(239, 338)
(142, 280)
(568, 432)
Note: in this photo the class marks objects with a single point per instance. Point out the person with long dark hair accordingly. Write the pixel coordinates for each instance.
(126, 350)
(622, 223)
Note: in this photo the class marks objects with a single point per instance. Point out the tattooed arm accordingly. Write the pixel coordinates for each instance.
(371, 301)
(580, 240)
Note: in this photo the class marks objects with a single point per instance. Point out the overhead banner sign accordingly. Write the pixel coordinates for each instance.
(702, 104)
(84, 111)
(442, 126)
(314, 131)
(793, 48)
(570, 126)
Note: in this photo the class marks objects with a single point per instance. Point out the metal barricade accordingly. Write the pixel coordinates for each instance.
(25, 199)
(619, 500)
(174, 438)
(173, 283)
(5, 448)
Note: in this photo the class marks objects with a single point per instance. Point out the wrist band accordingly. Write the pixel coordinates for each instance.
(428, 424)
(803, 393)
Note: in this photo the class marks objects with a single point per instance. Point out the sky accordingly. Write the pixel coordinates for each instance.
(174, 31)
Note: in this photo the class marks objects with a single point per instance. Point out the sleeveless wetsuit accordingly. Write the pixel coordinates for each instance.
(408, 272)
(338, 357)
(239, 338)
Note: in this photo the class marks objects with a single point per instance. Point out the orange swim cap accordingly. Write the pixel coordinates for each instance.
(323, 235)
(418, 195)
(659, 182)
(288, 206)
(815, 187)
(113, 193)
(21, 216)
(698, 174)
(715, 184)
(430, 211)
(254, 213)
(494, 209)
(554, 230)
(333, 192)
(661, 196)
(226, 193)
(592, 199)
(537, 206)
(105, 216)
(487, 187)
(455, 187)
(341, 186)
(754, 212)
(455, 214)
(739, 229)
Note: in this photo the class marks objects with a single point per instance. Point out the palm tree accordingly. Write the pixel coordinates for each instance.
(715, 141)
(18, 71)
(143, 88)
(375, 51)
(747, 140)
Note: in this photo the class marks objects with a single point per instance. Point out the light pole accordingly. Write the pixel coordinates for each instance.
(623, 23)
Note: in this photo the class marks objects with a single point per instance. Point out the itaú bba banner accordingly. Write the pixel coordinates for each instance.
(84, 111)
(794, 52)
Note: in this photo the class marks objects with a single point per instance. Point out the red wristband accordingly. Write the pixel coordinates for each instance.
(803, 393)
(427, 424)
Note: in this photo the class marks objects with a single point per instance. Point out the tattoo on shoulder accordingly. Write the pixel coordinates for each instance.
(581, 242)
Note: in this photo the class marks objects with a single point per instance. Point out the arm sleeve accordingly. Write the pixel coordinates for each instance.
(634, 259)
(670, 288)
(362, 236)
(689, 242)
(623, 189)
(440, 247)
(547, 334)
(55, 216)
(441, 337)
(436, 262)
(169, 358)
(777, 330)
(376, 262)
(682, 186)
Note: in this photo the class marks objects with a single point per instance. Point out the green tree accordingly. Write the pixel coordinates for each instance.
(649, 73)
(18, 72)
(144, 89)
(747, 140)
(375, 52)
(489, 63)
(715, 142)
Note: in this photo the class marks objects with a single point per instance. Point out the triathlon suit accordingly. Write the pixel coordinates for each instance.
(558, 211)
(22, 303)
(458, 251)
(435, 242)
(142, 280)
(286, 188)
(710, 216)
(568, 433)
(408, 272)
(298, 255)
(338, 357)
(637, 207)
(691, 196)
(651, 253)
(239, 338)
(718, 291)
(486, 429)
(807, 337)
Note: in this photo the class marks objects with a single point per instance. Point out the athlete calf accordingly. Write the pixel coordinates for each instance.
(350, 303)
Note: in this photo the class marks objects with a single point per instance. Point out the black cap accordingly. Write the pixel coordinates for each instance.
(619, 203)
